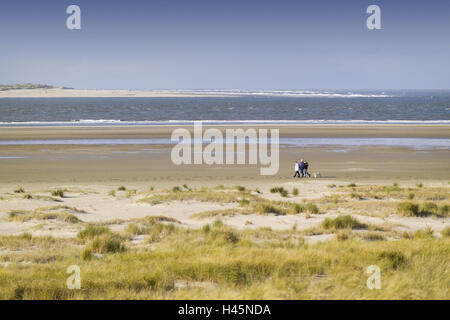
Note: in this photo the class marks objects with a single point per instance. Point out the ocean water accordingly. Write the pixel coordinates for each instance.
(324, 106)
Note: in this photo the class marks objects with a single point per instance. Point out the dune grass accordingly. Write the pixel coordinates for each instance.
(343, 222)
(445, 232)
(58, 212)
(92, 231)
(58, 193)
(410, 209)
(283, 192)
(238, 268)
(152, 254)
(204, 195)
(24, 216)
(19, 190)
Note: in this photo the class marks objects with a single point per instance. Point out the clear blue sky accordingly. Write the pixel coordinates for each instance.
(228, 44)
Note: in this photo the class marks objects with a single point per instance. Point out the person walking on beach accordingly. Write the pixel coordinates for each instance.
(297, 168)
(305, 169)
(302, 167)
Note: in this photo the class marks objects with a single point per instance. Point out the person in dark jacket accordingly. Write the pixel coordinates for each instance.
(305, 169)
(302, 167)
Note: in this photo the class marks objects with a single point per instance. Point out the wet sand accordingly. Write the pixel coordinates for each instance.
(164, 131)
(144, 163)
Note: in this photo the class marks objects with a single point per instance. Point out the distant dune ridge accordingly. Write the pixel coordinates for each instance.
(6, 87)
(30, 90)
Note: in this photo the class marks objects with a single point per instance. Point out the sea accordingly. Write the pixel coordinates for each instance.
(344, 107)
(428, 107)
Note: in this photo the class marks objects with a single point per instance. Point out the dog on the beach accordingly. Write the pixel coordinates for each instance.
(317, 175)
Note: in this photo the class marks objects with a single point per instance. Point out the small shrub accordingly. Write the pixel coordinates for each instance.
(408, 209)
(311, 208)
(107, 243)
(331, 186)
(86, 255)
(71, 218)
(276, 189)
(443, 210)
(267, 208)
(225, 237)
(27, 196)
(176, 189)
(27, 236)
(112, 193)
(244, 202)
(283, 192)
(426, 233)
(121, 188)
(295, 192)
(351, 185)
(131, 192)
(295, 208)
(393, 259)
(343, 222)
(395, 185)
(407, 235)
(445, 232)
(58, 193)
(218, 223)
(355, 195)
(185, 186)
(373, 236)
(240, 188)
(411, 196)
(429, 208)
(419, 185)
(135, 230)
(342, 236)
(206, 228)
(19, 190)
(157, 231)
(93, 231)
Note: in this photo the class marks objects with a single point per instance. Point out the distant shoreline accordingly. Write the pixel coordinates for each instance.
(77, 93)
(45, 91)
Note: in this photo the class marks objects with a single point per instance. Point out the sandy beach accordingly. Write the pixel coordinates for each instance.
(97, 169)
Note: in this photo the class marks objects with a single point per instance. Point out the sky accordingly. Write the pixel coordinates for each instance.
(226, 44)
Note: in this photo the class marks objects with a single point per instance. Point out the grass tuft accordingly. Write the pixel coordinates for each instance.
(445, 232)
(58, 193)
(19, 190)
(283, 192)
(107, 243)
(343, 222)
(408, 209)
(92, 231)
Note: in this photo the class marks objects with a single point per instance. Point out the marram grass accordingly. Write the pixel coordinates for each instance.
(225, 264)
